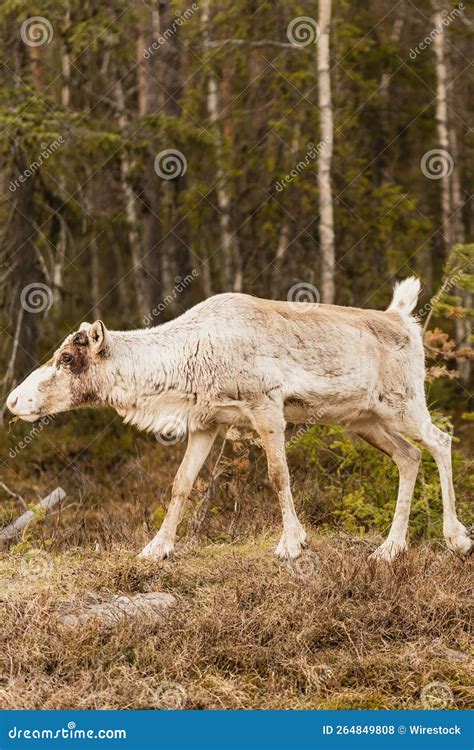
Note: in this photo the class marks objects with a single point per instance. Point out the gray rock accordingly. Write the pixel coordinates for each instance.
(152, 606)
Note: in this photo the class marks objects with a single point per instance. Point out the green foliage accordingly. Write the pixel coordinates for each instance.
(458, 274)
(357, 485)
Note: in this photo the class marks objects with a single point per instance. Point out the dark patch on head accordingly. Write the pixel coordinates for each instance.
(80, 339)
(75, 359)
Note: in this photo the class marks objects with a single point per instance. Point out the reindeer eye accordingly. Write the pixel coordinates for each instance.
(66, 358)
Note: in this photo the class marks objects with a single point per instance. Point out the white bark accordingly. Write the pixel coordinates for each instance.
(66, 61)
(131, 208)
(442, 124)
(231, 266)
(59, 262)
(463, 325)
(15, 528)
(451, 196)
(326, 210)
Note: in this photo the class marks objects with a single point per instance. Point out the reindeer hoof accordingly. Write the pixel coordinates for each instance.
(459, 541)
(388, 551)
(291, 544)
(158, 550)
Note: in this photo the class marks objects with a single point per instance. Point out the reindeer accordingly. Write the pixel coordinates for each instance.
(235, 359)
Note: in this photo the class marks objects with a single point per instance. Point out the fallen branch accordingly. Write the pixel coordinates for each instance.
(15, 528)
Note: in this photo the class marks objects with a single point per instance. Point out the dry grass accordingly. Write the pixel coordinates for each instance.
(247, 632)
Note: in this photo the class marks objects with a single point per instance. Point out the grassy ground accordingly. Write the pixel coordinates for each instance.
(334, 631)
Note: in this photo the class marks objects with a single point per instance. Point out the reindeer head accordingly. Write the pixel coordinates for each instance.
(70, 378)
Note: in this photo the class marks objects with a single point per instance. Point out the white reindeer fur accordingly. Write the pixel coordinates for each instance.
(236, 359)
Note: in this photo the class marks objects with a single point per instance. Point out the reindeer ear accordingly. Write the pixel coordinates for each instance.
(97, 335)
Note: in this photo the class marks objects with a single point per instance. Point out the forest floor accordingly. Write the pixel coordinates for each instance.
(334, 630)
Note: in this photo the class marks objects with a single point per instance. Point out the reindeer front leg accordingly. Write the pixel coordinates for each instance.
(199, 445)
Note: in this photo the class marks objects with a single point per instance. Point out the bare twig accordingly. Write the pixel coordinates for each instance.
(14, 494)
(8, 377)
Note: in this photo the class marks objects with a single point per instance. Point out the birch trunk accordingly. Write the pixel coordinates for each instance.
(59, 261)
(463, 325)
(442, 125)
(326, 211)
(230, 254)
(451, 196)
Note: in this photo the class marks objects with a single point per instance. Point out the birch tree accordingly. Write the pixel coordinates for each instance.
(451, 194)
(439, 45)
(131, 209)
(229, 250)
(326, 210)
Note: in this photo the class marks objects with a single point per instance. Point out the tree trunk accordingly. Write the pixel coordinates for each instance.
(442, 126)
(326, 212)
(231, 274)
(163, 252)
(24, 290)
(136, 252)
(463, 325)
(451, 195)
(60, 258)
(142, 75)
